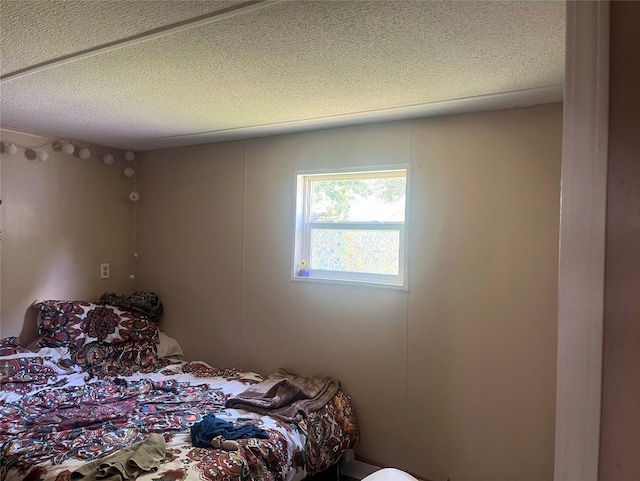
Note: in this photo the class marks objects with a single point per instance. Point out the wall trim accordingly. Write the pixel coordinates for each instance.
(582, 241)
(478, 103)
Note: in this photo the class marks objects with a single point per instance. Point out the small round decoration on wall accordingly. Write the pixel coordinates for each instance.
(129, 172)
(134, 197)
(68, 148)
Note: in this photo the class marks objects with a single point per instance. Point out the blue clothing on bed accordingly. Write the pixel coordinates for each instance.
(203, 432)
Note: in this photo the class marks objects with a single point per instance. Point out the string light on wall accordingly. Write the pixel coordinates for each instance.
(69, 147)
(77, 149)
(64, 146)
(30, 153)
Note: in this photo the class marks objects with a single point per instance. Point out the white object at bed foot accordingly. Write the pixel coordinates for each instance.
(389, 474)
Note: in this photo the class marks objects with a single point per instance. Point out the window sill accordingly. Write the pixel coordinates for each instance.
(349, 282)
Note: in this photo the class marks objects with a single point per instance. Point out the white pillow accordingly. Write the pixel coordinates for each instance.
(168, 346)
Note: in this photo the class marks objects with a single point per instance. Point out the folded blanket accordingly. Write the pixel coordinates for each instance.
(141, 302)
(286, 396)
(129, 463)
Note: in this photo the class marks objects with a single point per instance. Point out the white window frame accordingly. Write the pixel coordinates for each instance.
(303, 228)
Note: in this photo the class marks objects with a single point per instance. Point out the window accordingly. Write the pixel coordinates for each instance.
(350, 226)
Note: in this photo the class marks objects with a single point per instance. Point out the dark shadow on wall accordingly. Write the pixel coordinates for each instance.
(29, 327)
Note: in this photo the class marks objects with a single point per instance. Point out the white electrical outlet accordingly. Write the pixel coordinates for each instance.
(104, 271)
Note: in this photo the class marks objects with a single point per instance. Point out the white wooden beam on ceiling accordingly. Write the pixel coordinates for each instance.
(205, 19)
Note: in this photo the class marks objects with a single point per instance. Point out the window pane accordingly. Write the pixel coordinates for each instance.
(370, 251)
(353, 200)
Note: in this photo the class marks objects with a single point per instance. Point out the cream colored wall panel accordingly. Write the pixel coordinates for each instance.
(455, 378)
(356, 334)
(483, 305)
(189, 242)
(60, 220)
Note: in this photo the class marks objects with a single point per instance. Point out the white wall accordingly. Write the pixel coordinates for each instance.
(189, 230)
(60, 220)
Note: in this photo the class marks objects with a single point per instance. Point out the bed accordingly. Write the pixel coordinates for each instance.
(99, 381)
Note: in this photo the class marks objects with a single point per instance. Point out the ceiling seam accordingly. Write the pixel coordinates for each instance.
(409, 110)
(155, 33)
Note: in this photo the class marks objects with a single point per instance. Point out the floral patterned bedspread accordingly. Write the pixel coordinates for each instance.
(54, 417)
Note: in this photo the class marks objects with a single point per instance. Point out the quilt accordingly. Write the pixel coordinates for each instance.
(56, 416)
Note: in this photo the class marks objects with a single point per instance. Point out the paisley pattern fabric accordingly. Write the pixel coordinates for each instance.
(104, 340)
(11, 345)
(330, 430)
(142, 302)
(55, 416)
(123, 359)
(60, 322)
(74, 324)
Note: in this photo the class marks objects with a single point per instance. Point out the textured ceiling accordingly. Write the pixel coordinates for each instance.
(283, 65)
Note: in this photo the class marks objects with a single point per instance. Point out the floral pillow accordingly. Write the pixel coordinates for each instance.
(77, 323)
(111, 325)
(60, 323)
